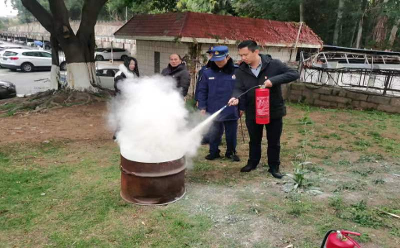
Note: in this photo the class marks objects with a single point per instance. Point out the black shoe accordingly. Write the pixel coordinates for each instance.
(275, 173)
(233, 156)
(212, 156)
(248, 168)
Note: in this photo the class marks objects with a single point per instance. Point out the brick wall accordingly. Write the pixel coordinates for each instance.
(334, 97)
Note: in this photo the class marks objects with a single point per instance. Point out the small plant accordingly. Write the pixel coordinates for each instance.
(299, 174)
(336, 203)
(362, 143)
(361, 214)
(379, 181)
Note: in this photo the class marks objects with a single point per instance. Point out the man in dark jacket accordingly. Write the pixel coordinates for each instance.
(256, 70)
(177, 69)
(215, 89)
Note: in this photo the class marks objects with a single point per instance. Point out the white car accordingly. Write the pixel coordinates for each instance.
(26, 60)
(3, 49)
(105, 77)
(105, 54)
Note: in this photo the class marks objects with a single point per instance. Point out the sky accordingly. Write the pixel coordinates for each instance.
(6, 9)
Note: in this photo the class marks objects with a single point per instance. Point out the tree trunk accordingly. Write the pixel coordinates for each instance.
(301, 11)
(361, 23)
(79, 47)
(338, 22)
(393, 33)
(55, 68)
(380, 30)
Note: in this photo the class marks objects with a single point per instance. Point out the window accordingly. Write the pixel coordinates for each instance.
(31, 54)
(9, 53)
(46, 55)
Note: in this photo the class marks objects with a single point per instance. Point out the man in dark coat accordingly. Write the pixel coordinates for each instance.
(177, 69)
(256, 70)
(214, 91)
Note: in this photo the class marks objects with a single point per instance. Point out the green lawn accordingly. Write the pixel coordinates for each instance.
(66, 193)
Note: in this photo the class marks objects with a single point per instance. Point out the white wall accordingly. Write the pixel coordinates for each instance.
(282, 54)
(145, 54)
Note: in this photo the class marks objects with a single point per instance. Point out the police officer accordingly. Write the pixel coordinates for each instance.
(215, 89)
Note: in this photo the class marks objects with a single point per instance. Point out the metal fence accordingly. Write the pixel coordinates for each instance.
(379, 78)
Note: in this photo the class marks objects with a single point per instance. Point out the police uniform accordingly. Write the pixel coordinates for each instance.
(215, 89)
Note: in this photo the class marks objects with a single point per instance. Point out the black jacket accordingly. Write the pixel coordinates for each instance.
(181, 75)
(122, 74)
(274, 70)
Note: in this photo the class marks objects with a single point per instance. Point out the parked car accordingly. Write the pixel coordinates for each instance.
(2, 52)
(105, 54)
(7, 90)
(105, 77)
(26, 60)
(5, 46)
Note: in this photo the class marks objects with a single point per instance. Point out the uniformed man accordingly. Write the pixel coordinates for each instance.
(215, 89)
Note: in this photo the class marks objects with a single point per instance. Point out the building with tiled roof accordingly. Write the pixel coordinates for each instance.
(191, 34)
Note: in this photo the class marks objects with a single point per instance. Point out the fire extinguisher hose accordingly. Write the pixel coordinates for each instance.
(326, 237)
(254, 87)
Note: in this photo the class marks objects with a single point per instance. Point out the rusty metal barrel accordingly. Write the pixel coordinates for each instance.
(152, 183)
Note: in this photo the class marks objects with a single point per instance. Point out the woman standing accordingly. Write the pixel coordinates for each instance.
(129, 69)
(177, 69)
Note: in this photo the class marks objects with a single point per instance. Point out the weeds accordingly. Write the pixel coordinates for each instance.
(361, 214)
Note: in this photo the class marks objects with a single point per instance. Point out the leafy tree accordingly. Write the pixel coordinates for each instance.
(79, 47)
(222, 7)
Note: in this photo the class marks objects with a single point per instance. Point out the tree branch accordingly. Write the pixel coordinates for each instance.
(59, 11)
(90, 12)
(39, 13)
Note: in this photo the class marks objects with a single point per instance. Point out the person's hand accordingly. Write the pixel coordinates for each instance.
(233, 101)
(184, 99)
(268, 83)
(241, 112)
(203, 111)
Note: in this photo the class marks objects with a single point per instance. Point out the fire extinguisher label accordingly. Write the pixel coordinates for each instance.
(262, 105)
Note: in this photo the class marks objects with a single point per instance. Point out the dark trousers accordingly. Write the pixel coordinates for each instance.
(274, 131)
(216, 132)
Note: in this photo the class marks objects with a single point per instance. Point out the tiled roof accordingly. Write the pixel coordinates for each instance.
(219, 27)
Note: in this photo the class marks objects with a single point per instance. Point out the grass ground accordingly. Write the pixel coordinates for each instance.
(65, 192)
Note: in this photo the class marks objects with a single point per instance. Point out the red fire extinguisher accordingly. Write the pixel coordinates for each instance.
(340, 239)
(262, 105)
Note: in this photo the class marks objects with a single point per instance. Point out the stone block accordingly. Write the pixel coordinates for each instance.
(342, 105)
(295, 98)
(336, 99)
(384, 100)
(322, 103)
(357, 96)
(296, 92)
(297, 86)
(395, 101)
(388, 108)
(324, 91)
(356, 104)
(338, 92)
(368, 105)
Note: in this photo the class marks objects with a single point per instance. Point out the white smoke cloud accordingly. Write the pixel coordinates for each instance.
(152, 122)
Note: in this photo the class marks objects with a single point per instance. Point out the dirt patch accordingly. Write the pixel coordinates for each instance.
(86, 122)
